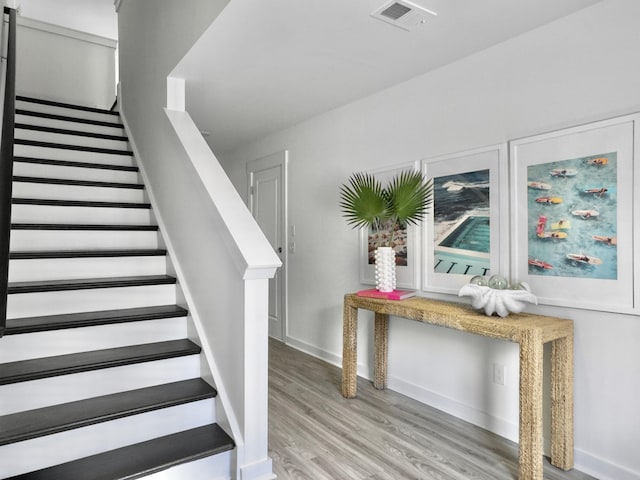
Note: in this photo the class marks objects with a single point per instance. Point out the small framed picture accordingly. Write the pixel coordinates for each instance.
(404, 241)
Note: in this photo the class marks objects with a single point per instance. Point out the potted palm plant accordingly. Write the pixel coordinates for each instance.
(404, 201)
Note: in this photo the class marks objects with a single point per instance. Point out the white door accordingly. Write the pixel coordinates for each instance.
(267, 201)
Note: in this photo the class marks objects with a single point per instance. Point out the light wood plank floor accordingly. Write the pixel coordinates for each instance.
(316, 434)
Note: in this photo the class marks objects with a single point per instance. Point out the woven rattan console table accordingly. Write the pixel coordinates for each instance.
(531, 332)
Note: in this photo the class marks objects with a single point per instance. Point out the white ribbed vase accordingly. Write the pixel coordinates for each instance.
(385, 269)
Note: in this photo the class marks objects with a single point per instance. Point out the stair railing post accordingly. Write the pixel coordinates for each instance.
(6, 155)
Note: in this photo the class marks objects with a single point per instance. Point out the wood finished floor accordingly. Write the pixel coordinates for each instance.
(316, 434)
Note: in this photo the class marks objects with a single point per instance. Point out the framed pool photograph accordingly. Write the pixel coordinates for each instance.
(466, 232)
(404, 241)
(572, 215)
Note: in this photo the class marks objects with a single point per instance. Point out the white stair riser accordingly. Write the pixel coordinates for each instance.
(73, 155)
(75, 301)
(54, 191)
(78, 126)
(29, 270)
(42, 452)
(99, 215)
(66, 139)
(67, 112)
(22, 396)
(214, 467)
(74, 173)
(16, 348)
(42, 240)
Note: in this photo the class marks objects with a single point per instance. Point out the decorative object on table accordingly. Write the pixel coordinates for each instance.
(365, 203)
(385, 269)
(394, 295)
(574, 269)
(495, 296)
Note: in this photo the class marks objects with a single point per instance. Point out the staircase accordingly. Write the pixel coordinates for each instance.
(98, 376)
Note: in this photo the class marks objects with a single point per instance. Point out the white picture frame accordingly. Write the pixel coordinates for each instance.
(486, 164)
(406, 275)
(569, 274)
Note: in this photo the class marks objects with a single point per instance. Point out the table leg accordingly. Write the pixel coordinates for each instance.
(562, 402)
(531, 375)
(380, 335)
(349, 351)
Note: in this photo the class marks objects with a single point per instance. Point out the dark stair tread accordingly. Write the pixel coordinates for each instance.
(71, 163)
(34, 369)
(52, 103)
(88, 283)
(86, 319)
(77, 203)
(78, 183)
(141, 459)
(80, 148)
(66, 131)
(34, 255)
(17, 427)
(65, 118)
(75, 226)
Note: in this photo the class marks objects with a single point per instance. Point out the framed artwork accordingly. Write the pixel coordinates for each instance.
(572, 215)
(466, 232)
(405, 242)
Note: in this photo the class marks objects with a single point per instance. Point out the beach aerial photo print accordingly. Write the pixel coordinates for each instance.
(572, 217)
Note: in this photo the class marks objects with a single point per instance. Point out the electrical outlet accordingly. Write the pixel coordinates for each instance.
(499, 374)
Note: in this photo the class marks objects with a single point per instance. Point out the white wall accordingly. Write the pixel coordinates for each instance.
(578, 69)
(56, 63)
(93, 16)
(154, 35)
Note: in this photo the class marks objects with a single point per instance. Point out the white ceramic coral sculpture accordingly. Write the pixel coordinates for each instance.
(501, 302)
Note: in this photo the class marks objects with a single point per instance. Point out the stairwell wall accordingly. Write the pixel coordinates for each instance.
(78, 67)
(578, 69)
(154, 35)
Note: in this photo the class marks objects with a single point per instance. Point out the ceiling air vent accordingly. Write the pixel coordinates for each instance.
(403, 14)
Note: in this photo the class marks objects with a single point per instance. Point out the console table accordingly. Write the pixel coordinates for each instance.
(531, 332)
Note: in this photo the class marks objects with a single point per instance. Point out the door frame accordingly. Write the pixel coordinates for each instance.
(277, 159)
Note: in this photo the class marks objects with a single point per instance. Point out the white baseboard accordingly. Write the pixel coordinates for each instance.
(258, 471)
(585, 462)
(332, 358)
(470, 414)
(465, 412)
(601, 468)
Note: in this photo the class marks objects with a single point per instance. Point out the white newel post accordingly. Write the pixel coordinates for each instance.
(253, 461)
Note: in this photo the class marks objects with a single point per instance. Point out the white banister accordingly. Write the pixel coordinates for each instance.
(252, 253)
(241, 368)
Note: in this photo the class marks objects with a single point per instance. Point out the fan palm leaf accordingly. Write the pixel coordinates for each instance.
(405, 200)
(408, 196)
(362, 201)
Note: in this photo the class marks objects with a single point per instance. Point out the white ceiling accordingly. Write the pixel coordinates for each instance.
(266, 65)
(263, 66)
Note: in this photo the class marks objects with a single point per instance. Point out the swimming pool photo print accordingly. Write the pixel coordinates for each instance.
(465, 235)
